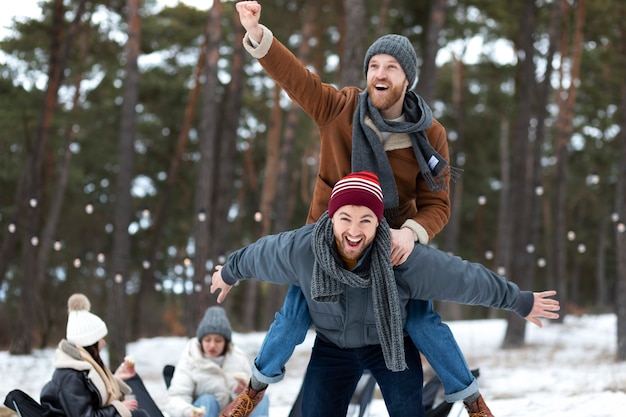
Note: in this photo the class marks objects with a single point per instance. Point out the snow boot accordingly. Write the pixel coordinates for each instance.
(478, 408)
(244, 404)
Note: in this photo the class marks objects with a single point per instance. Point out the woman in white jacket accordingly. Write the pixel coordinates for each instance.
(211, 371)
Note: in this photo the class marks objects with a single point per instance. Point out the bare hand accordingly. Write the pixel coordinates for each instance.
(125, 371)
(217, 283)
(241, 385)
(402, 244)
(249, 15)
(543, 307)
(131, 404)
(198, 411)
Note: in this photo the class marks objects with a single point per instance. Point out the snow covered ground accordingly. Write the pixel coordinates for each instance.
(565, 370)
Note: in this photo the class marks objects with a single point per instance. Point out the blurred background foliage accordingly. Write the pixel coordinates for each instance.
(221, 156)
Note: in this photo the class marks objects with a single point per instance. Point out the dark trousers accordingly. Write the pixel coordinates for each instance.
(333, 373)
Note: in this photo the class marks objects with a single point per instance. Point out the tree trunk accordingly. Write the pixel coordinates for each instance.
(383, 16)
(620, 209)
(204, 211)
(542, 114)
(225, 164)
(63, 168)
(602, 294)
(275, 297)
(147, 284)
(31, 195)
(285, 171)
(428, 70)
(353, 43)
(565, 101)
(121, 250)
(272, 156)
(282, 189)
(522, 153)
(505, 226)
(454, 311)
(620, 237)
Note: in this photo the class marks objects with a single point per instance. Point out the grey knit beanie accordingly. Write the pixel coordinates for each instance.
(214, 322)
(400, 48)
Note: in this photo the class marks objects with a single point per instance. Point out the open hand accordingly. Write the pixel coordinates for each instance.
(217, 283)
(543, 307)
(125, 371)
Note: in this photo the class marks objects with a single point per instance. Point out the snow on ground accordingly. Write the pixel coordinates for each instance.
(565, 370)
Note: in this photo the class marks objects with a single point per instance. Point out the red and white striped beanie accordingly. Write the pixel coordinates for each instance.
(357, 189)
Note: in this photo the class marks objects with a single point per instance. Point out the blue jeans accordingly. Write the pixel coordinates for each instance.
(436, 342)
(210, 404)
(288, 330)
(213, 407)
(333, 373)
(433, 338)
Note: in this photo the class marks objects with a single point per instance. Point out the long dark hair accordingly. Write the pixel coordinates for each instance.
(226, 346)
(95, 354)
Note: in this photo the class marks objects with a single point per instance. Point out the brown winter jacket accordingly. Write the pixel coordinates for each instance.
(333, 110)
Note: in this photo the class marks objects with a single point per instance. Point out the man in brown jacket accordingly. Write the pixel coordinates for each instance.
(386, 129)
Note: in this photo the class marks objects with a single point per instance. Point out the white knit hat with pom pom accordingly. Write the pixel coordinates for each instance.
(83, 328)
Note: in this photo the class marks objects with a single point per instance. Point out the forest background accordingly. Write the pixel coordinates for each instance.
(140, 145)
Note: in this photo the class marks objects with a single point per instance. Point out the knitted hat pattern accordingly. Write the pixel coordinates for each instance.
(357, 189)
(400, 48)
(83, 327)
(214, 322)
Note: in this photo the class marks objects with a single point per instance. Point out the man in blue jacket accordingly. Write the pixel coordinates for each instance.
(357, 300)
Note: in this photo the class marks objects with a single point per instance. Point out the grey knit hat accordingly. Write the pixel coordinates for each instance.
(400, 48)
(214, 322)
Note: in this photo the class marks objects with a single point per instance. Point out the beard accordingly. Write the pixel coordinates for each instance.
(385, 102)
(351, 252)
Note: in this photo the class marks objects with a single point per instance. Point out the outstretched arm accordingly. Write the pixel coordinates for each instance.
(249, 15)
(543, 307)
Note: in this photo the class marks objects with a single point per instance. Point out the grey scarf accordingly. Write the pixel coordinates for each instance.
(329, 277)
(368, 153)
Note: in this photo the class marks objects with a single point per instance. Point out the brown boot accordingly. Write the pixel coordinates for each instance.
(244, 404)
(478, 408)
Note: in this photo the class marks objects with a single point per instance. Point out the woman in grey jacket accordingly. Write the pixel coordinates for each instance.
(358, 301)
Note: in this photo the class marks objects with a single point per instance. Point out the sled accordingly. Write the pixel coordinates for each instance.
(23, 404)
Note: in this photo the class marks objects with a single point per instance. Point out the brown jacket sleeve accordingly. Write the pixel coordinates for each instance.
(333, 110)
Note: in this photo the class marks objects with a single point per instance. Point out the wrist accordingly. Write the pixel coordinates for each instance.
(419, 232)
(258, 44)
(255, 35)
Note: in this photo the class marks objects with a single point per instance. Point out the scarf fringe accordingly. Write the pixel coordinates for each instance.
(438, 182)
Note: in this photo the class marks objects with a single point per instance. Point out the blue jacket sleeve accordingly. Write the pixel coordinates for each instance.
(280, 259)
(431, 274)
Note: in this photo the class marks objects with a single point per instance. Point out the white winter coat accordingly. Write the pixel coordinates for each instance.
(196, 375)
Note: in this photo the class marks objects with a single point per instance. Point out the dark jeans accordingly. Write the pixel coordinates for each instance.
(333, 373)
